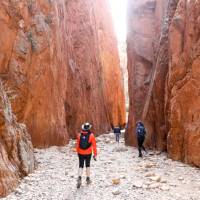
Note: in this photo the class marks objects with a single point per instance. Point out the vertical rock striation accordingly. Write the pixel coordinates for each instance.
(96, 81)
(183, 83)
(149, 23)
(31, 54)
(163, 42)
(61, 58)
(109, 60)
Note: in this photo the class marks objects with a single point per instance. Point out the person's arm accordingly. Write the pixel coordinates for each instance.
(94, 146)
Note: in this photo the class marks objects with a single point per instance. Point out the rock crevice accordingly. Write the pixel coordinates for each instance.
(62, 60)
(60, 57)
(166, 100)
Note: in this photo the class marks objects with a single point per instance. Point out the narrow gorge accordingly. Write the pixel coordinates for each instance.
(60, 67)
(163, 60)
(60, 59)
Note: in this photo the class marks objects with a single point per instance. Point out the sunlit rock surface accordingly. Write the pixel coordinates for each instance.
(61, 59)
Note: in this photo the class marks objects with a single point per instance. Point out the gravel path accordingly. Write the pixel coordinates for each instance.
(118, 174)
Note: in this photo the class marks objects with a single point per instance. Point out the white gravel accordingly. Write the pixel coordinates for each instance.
(154, 177)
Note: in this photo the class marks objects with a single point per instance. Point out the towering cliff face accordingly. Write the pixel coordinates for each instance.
(183, 83)
(163, 75)
(61, 59)
(94, 68)
(144, 33)
(31, 54)
(109, 58)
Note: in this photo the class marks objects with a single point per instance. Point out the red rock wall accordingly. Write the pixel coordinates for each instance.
(31, 50)
(167, 37)
(94, 49)
(140, 50)
(16, 157)
(109, 60)
(155, 112)
(184, 84)
(61, 59)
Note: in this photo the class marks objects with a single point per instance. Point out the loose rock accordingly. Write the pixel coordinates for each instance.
(116, 181)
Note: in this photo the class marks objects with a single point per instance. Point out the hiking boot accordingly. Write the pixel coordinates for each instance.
(140, 155)
(79, 182)
(88, 180)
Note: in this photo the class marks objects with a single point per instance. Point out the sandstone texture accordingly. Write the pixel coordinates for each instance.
(184, 83)
(144, 26)
(113, 85)
(163, 60)
(16, 158)
(61, 59)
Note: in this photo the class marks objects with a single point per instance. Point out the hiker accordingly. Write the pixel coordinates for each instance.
(86, 145)
(117, 132)
(140, 133)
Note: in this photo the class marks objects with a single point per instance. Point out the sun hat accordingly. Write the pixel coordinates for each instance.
(86, 126)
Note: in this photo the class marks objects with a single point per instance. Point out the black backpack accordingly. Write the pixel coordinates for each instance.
(140, 131)
(84, 141)
(117, 130)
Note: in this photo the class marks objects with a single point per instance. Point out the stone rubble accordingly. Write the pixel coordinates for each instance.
(56, 174)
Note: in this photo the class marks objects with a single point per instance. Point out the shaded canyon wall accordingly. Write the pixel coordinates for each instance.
(143, 38)
(163, 58)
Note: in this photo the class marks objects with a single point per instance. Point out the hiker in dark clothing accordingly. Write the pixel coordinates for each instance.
(117, 132)
(140, 133)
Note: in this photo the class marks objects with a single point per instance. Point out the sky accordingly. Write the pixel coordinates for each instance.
(118, 9)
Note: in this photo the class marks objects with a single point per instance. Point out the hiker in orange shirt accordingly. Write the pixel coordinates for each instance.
(85, 146)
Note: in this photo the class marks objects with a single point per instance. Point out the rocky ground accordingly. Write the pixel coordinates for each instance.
(118, 174)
